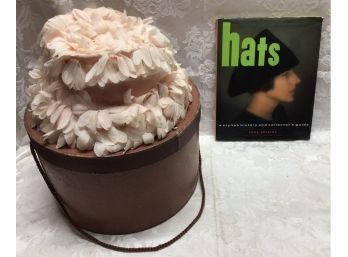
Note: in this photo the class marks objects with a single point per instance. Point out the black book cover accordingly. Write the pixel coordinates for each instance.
(266, 77)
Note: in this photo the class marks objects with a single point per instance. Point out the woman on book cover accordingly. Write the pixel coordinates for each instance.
(268, 85)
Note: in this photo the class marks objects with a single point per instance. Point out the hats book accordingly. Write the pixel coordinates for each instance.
(266, 77)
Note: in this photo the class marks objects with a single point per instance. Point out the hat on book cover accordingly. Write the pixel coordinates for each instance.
(252, 78)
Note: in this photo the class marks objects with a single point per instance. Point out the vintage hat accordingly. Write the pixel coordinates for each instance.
(252, 78)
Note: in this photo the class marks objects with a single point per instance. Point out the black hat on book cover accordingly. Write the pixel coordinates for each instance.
(252, 78)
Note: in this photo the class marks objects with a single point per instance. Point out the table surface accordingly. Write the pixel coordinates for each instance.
(263, 199)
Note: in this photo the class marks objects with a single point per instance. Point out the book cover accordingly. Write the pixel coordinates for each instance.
(266, 77)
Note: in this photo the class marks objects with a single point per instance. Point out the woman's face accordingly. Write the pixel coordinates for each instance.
(284, 86)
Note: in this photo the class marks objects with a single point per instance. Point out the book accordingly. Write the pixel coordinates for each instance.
(266, 77)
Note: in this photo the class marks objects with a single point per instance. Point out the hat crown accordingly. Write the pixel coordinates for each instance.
(252, 78)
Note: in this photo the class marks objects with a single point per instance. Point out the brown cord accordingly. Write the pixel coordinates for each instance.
(114, 247)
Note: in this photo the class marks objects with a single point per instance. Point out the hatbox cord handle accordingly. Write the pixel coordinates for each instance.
(115, 247)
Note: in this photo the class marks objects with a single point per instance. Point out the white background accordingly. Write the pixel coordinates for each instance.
(190, 25)
(246, 224)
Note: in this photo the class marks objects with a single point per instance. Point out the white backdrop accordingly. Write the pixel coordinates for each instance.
(263, 199)
(189, 24)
